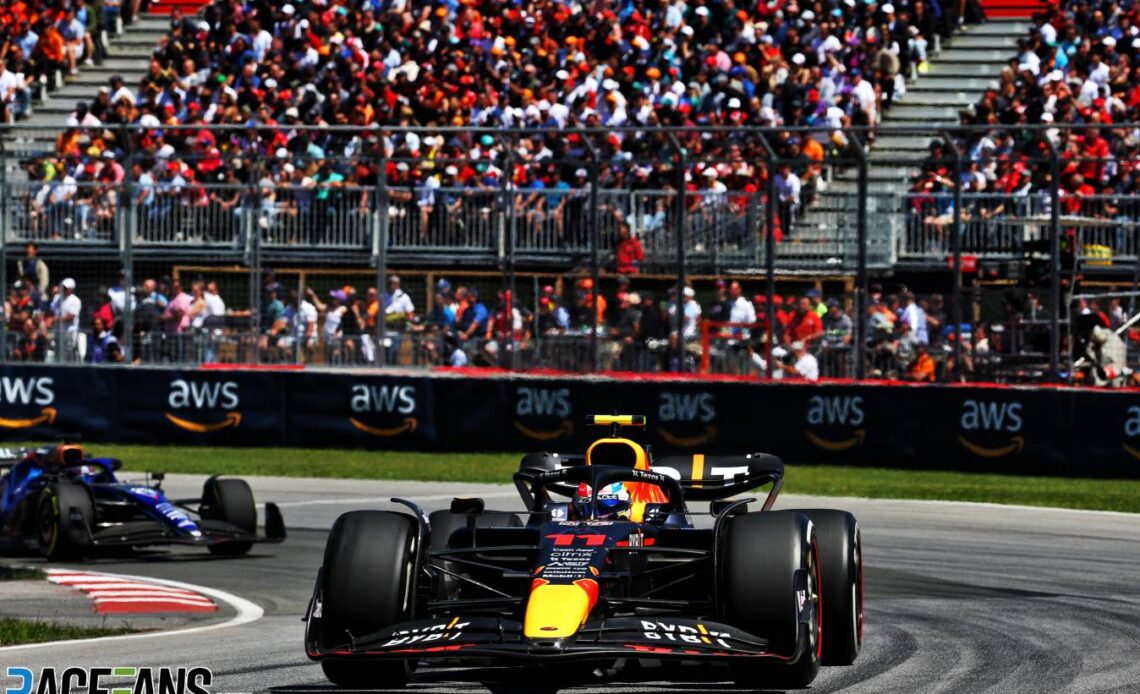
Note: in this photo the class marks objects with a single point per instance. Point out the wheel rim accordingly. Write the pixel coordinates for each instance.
(815, 636)
(857, 589)
(49, 528)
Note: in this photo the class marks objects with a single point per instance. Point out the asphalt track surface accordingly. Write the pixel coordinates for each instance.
(960, 598)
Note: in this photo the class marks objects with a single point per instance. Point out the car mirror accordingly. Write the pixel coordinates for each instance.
(467, 507)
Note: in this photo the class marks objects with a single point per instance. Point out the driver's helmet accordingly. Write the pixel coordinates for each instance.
(86, 473)
(613, 502)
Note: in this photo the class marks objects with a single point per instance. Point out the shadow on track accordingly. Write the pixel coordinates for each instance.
(667, 679)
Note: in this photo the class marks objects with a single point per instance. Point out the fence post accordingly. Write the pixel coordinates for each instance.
(595, 252)
(679, 301)
(956, 265)
(770, 253)
(1055, 262)
(380, 255)
(126, 248)
(4, 224)
(253, 214)
(861, 265)
(509, 274)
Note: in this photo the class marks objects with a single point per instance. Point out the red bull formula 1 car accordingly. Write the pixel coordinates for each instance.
(606, 565)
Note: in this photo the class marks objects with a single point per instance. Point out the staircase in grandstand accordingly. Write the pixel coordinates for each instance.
(967, 65)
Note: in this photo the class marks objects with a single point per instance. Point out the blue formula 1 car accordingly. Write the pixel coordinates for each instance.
(67, 505)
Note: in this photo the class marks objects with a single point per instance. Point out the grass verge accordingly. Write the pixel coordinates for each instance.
(18, 631)
(828, 480)
(19, 573)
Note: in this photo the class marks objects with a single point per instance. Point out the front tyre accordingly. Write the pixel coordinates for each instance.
(61, 534)
(769, 560)
(841, 559)
(231, 501)
(367, 584)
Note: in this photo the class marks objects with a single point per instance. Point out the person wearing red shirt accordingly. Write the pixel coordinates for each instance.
(1094, 150)
(628, 251)
(804, 325)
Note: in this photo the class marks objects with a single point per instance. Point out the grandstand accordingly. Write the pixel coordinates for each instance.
(553, 159)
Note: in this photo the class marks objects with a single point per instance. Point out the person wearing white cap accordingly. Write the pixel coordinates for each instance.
(888, 8)
(68, 307)
(692, 314)
(805, 366)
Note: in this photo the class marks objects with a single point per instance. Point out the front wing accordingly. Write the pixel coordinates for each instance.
(489, 637)
(154, 532)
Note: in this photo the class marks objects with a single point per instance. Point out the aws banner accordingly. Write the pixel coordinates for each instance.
(223, 408)
(999, 429)
(42, 403)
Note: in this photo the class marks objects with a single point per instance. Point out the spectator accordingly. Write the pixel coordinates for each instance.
(15, 93)
(471, 319)
(741, 310)
(625, 333)
(804, 324)
(331, 331)
(913, 315)
(32, 345)
(922, 368)
(838, 330)
(104, 346)
(804, 365)
(69, 307)
(692, 315)
(176, 316)
(816, 301)
(628, 251)
(33, 269)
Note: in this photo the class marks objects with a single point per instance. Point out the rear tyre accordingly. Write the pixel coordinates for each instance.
(231, 501)
(841, 562)
(766, 559)
(61, 536)
(367, 585)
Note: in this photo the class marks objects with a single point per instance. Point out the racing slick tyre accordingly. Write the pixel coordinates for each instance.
(367, 584)
(444, 523)
(766, 559)
(841, 564)
(61, 534)
(229, 500)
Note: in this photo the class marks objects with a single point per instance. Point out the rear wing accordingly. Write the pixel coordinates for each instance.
(709, 477)
(701, 477)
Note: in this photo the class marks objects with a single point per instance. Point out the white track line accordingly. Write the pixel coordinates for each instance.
(969, 504)
(246, 612)
(386, 499)
(157, 598)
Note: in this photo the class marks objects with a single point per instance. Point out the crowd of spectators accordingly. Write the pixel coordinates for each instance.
(1077, 74)
(265, 70)
(42, 41)
(722, 328)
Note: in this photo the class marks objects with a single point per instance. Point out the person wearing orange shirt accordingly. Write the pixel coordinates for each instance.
(52, 50)
(922, 368)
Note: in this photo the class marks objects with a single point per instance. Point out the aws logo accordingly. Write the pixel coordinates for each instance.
(387, 402)
(991, 421)
(692, 413)
(1132, 430)
(25, 394)
(203, 399)
(533, 403)
(832, 412)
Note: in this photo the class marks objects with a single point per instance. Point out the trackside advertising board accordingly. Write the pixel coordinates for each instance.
(1014, 429)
